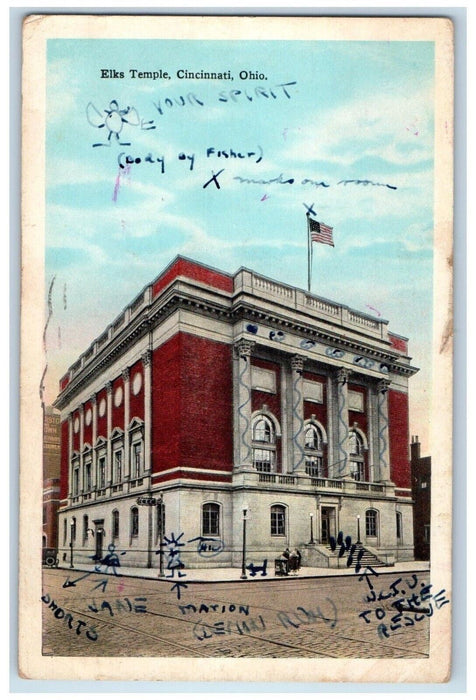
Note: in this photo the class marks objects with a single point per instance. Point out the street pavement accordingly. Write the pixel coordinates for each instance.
(316, 614)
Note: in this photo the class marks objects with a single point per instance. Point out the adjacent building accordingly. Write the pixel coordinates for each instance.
(235, 400)
(421, 487)
(51, 476)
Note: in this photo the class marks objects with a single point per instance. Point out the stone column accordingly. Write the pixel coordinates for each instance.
(70, 457)
(147, 363)
(370, 434)
(286, 458)
(94, 408)
(383, 436)
(81, 448)
(109, 431)
(297, 407)
(339, 468)
(127, 420)
(331, 458)
(242, 400)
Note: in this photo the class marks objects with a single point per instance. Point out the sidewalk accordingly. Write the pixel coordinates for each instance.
(227, 575)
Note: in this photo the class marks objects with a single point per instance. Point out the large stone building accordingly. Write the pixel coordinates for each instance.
(235, 399)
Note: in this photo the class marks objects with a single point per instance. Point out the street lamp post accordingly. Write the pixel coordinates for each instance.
(358, 530)
(72, 523)
(160, 512)
(243, 558)
(311, 516)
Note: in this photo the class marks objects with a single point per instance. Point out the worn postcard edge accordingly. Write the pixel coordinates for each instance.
(37, 29)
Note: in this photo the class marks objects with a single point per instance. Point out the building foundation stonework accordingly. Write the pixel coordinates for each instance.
(221, 419)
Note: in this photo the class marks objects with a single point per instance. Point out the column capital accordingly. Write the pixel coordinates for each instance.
(93, 399)
(109, 388)
(126, 374)
(81, 410)
(297, 363)
(383, 386)
(342, 375)
(243, 348)
(147, 358)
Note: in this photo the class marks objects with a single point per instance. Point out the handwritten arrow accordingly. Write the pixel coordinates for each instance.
(68, 583)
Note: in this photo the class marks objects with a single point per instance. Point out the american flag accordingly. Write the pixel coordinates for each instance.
(320, 233)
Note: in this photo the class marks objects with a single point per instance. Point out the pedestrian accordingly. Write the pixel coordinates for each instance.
(299, 555)
(285, 556)
(293, 562)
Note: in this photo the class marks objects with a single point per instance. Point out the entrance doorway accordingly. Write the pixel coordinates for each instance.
(99, 536)
(327, 524)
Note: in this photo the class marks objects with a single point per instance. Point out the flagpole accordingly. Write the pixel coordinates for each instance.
(309, 254)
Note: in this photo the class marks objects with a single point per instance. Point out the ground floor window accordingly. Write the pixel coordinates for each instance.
(371, 523)
(399, 526)
(210, 519)
(115, 524)
(134, 522)
(278, 520)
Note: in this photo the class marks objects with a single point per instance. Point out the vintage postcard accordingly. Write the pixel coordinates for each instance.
(236, 350)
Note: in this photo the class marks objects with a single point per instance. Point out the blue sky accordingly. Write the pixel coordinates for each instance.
(351, 111)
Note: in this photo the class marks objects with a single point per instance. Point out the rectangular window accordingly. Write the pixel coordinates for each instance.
(357, 470)
(313, 465)
(263, 460)
(65, 531)
(75, 481)
(136, 459)
(118, 467)
(85, 528)
(102, 473)
(87, 477)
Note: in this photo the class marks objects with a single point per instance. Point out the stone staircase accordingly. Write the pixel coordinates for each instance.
(366, 559)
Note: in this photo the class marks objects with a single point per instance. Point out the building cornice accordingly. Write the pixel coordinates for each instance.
(217, 304)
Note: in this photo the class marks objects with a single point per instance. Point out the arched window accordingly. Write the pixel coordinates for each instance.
(115, 524)
(399, 525)
(278, 520)
(264, 444)
(134, 522)
(85, 528)
(371, 524)
(356, 456)
(210, 519)
(313, 450)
